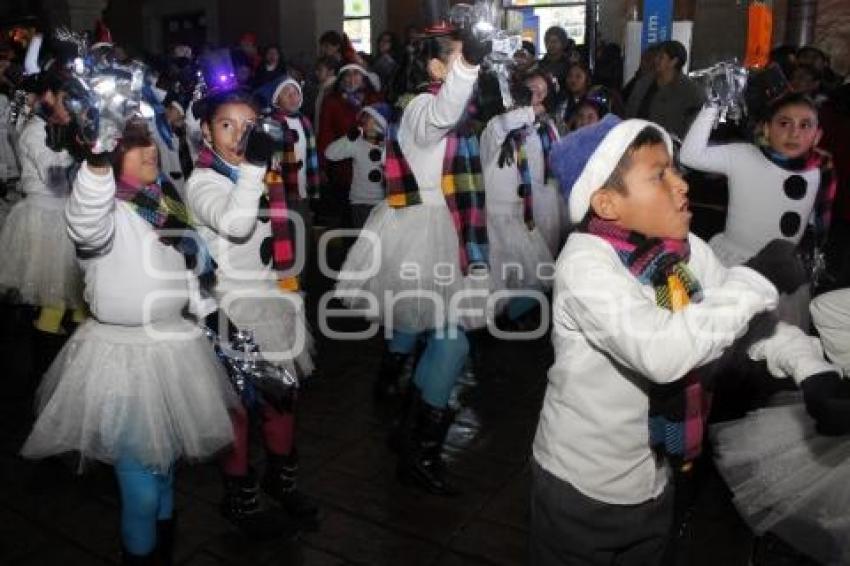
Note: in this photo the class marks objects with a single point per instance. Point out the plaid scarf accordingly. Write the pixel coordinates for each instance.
(548, 136)
(160, 205)
(283, 244)
(286, 165)
(826, 190)
(462, 186)
(677, 411)
(514, 145)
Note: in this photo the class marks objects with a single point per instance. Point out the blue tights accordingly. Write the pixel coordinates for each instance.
(146, 497)
(440, 365)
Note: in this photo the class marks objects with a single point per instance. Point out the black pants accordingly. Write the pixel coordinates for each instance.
(569, 528)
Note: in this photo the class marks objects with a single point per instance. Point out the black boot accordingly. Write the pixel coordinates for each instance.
(165, 540)
(420, 462)
(279, 482)
(388, 386)
(130, 559)
(242, 507)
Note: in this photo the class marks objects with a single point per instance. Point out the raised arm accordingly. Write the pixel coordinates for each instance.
(341, 148)
(697, 153)
(90, 211)
(229, 211)
(428, 118)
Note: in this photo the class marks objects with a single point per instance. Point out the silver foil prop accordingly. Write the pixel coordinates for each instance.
(246, 367)
(724, 84)
(483, 19)
(103, 95)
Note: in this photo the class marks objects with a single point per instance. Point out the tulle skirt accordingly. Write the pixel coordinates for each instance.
(519, 259)
(404, 269)
(37, 257)
(787, 479)
(121, 391)
(279, 325)
(548, 208)
(8, 160)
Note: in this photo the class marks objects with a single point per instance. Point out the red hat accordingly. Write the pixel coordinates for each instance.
(248, 37)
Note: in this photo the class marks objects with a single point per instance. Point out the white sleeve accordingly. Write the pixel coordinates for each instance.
(341, 148)
(228, 211)
(500, 126)
(614, 315)
(33, 146)
(428, 118)
(791, 353)
(697, 153)
(90, 212)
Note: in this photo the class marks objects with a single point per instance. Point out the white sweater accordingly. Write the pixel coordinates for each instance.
(131, 278)
(502, 182)
(227, 213)
(757, 201)
(425, 123)
(367, 172)
(611, 340)
(44, 172)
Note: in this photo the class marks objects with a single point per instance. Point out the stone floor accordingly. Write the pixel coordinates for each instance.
(49, 515)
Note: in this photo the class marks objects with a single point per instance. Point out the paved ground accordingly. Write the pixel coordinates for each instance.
(49, 515)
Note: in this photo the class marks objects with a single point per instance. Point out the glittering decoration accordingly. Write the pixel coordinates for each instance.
(724, 84)
(483, 19)
(248, 372)
(102, 95)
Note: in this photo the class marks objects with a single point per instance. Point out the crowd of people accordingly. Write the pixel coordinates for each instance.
(569, 205)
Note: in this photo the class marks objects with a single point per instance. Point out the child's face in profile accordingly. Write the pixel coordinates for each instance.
(793, 131)
(227, 127)
(656, 199)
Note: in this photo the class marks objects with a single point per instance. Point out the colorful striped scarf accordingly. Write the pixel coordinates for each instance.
(160, 205)
(462, 185)
(283, 243)
(548, 136)
(677, 411)
(290, 163)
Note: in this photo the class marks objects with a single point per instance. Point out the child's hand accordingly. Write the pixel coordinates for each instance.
(354, 133)
(827, 398)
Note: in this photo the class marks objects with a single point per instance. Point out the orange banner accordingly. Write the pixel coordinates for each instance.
(759, 34)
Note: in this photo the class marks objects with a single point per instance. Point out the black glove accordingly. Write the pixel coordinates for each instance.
(259, 147)
(827, 398)
(778, 263)
(354, 133)
(522, 96)
(474, 50)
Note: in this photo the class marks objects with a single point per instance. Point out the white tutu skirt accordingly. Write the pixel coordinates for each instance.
(519, 259)
(548, 208)
(37, 256)
(120, 391)
(404, 270)
(279, 325)
(787, 479)
(8, 160)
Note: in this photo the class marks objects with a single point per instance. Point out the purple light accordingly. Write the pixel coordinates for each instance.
(222, 78)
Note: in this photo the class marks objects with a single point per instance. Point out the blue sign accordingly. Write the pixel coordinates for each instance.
(657, 22)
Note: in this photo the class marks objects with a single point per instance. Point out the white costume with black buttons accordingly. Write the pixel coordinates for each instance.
(367, 172)
(766, 202)
(234, 223)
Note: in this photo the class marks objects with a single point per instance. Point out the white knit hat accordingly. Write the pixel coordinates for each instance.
(279, 88)
(585, 159)
(371, 77)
